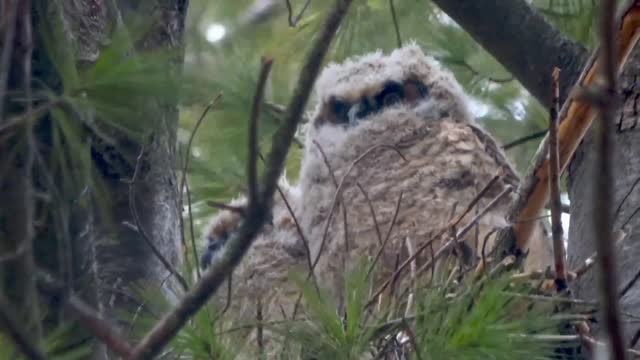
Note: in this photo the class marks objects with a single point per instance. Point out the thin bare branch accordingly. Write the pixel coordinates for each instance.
(254, 123)
(338, 193)
(294, 22)
(373, 213)
(194, 247)
(559, 255)
(340, 197)
(396, 26)
(448, 244)
(387, 237)
(187, 157)
(305, 241)
(524, 139)
(257, 214)
(183, 181)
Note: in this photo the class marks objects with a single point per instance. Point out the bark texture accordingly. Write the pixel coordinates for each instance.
(626, 171)
(522, 40)
(87, 232)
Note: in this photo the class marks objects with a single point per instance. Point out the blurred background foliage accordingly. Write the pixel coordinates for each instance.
(226, 39)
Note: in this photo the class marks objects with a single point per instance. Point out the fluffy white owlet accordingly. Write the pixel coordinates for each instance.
(394, 131)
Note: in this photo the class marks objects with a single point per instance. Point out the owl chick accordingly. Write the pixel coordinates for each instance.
(389, 127)
(394, 133)
(261, 289)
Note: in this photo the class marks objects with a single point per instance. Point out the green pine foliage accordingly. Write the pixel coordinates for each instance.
(466, 319)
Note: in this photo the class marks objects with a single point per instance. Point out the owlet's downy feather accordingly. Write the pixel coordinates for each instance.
(396, 133)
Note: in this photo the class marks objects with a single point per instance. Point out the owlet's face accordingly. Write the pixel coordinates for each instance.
(350, 110)
(385, 93)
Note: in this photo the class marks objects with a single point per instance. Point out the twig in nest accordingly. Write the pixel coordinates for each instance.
(257, 213)
(373, 213)
(341, 198)
(387, 237)
(483, 252)
(305, 241)
(334, 205)
(559, 255)
(339, 192)
(142, 231)
(451, 242)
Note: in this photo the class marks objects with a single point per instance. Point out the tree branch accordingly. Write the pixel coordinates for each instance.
(575, 119)
(171, 323)
(554, 186)
(529, 48)
(258, 99)
(603, 186)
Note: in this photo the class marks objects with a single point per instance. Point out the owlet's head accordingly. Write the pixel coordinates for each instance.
(376, 89)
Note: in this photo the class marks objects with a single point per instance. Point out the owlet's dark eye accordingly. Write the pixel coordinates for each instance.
(340, 110)
(415, 90)
(391, 94)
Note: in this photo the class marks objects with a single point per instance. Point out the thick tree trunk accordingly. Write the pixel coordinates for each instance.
(89, 241)
(124, 261)
(116, 252)
(626, 167)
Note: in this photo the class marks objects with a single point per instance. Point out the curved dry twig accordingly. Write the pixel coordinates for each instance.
(338, 192)
(373, 213)
(387, 237)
